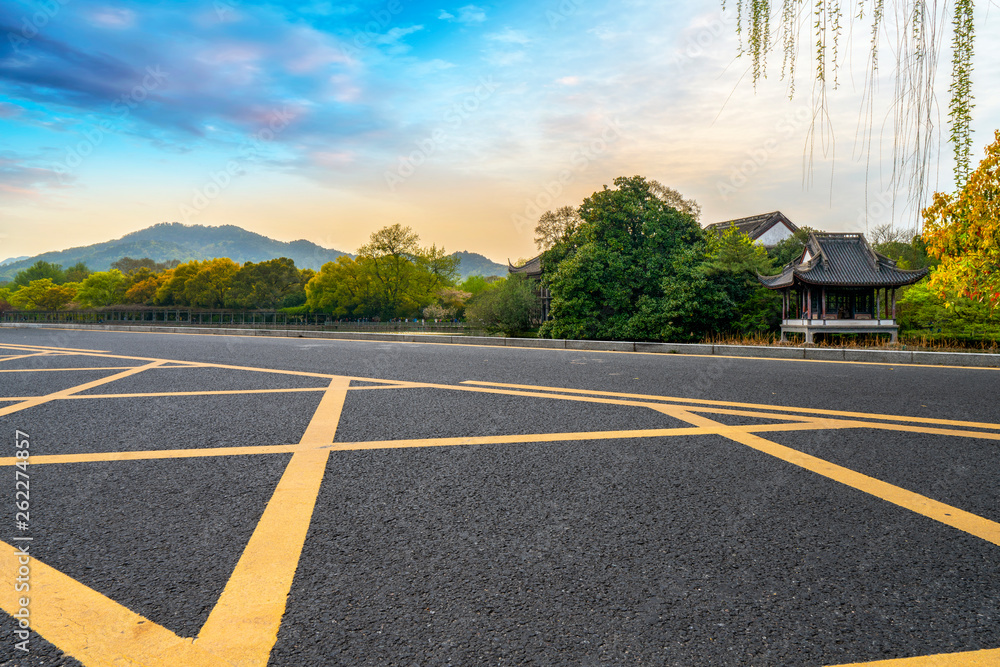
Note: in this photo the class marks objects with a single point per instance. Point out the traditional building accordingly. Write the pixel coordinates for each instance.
(533, 270)
(840, 285)
(767, 229)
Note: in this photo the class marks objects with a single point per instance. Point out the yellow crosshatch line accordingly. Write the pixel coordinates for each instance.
(242, 628)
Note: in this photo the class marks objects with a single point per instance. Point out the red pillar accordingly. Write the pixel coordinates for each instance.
(809, 303)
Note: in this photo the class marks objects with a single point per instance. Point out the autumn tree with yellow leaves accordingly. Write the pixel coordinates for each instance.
(963, 231)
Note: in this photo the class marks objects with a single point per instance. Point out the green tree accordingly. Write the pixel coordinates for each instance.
(104, 288)
(77, 273)
(510, 306)
(789, 249)
(390, 256)
(618, 258)
(733, 263)
(474, 285)
(173, 286)
(209, 287)
(40, 270)
(43, 294)
(271, 284)
(344, 288)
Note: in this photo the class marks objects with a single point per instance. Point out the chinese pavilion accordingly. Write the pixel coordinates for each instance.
(840, 285)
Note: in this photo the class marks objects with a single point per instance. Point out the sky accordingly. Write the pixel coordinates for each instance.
(329, 120)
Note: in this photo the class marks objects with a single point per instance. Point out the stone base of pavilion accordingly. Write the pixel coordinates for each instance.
(811, 327)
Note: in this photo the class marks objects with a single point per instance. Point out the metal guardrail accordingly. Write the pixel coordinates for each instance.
(250, 319)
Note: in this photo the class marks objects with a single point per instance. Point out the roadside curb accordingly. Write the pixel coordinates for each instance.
(972, 359)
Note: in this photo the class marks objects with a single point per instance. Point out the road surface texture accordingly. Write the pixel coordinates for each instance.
(210, 500)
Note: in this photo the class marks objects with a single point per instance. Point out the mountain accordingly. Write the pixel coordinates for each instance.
(11, 260)
(474, 264)
(172, 240)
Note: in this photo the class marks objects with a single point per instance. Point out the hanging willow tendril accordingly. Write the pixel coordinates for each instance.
(917, 26)
(960, 108)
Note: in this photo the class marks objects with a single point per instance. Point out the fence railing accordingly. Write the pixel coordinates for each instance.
(228, 318)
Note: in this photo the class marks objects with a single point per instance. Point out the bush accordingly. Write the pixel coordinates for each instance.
(509, 306)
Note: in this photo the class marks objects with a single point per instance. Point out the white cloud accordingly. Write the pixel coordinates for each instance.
(445, 16)
(112, 17)
(471, 14)
(509, 36)
(568, 80)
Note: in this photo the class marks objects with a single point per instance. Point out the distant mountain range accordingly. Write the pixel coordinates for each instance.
(173, 240)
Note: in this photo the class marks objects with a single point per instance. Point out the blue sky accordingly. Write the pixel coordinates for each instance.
(328, 120)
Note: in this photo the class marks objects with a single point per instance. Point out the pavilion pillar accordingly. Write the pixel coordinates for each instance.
(784, 304)
(894, 303)
(809, 303)
(822, 302)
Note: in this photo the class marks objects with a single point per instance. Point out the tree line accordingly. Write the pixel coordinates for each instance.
(393, 276)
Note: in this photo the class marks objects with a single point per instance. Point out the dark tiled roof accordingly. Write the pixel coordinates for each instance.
(755, 225)
(532, 268)
(844, 260)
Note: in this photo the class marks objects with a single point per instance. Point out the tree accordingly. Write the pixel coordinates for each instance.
(622, 252)
(918, 31)
(42, 294)
(552, 226)
(104, 288)
(474, 285)
(789, 249)
(963, 231)
(143, 291)
(77, 273)
(391, 253)
(271, 284)
(344, 288)
(40, 270)
(172, 289)
(209, 287)
(733, 263)
(510, 306)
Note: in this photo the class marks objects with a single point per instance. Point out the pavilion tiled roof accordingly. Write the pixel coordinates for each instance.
(532, 268)
(754, 225)
(843, 260)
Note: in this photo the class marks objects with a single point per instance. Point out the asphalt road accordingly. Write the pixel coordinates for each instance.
(863, 527)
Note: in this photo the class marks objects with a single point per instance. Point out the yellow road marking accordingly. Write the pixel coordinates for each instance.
(63, 393)
(983, 658)
(249, 450)
(50, 370)
(946, 514)
(756, 406)
(25, 356)
(20, 346)
(153, 454)
(87, 625)
(243, 625)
